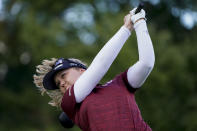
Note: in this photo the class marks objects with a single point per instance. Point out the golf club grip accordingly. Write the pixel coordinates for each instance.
(140, 6)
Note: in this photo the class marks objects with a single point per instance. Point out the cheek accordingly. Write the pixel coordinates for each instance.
(73, 78)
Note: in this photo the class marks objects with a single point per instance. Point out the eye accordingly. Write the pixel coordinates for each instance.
(58, 84)
(63, 75)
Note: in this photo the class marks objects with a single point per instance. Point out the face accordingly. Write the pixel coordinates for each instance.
(66, 78)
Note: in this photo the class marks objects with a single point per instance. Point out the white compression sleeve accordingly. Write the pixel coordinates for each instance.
(100, 65)
(138, 73)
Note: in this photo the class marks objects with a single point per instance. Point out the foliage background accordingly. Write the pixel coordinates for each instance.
(33, 30)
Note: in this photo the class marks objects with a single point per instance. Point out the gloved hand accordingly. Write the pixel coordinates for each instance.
(137, 17)
(65, 121)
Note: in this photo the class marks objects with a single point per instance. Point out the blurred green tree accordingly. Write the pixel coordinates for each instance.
(34, 30)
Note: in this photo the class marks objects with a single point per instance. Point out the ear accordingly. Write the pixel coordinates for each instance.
(82, 70)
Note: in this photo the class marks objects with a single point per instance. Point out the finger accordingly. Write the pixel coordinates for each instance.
(124, 19)
(128, 16)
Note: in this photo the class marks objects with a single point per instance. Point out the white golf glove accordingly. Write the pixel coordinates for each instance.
(136, 17)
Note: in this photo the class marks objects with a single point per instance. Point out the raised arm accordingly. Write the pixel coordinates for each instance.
(101, 63)
(138, 73)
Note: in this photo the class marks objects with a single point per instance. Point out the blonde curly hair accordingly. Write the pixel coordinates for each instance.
(41, 71)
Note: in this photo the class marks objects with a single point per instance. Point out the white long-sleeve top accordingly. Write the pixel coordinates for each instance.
(136, 74)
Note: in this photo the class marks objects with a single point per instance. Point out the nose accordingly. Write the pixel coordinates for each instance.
(62, 83)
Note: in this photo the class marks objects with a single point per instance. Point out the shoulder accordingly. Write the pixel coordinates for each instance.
(68, 103)
(122, 80)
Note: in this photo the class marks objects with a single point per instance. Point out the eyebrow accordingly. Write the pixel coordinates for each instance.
(59, 74)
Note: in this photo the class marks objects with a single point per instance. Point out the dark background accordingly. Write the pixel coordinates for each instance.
(33, 30)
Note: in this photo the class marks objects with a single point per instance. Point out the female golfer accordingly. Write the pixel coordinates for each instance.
(90, 105)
